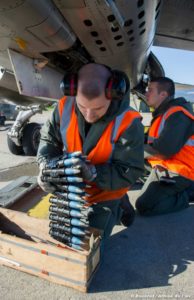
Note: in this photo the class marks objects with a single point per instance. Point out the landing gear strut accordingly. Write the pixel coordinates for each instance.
(23, 137)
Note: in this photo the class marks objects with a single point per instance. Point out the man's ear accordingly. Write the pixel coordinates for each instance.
(164, 94)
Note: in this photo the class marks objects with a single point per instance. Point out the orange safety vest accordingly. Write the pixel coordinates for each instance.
(181, 163)
(102, 152)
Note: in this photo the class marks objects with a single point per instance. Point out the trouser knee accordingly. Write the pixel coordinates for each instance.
(103, 218)
(141, 207)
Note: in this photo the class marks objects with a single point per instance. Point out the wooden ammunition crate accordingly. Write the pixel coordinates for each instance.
(25, 245)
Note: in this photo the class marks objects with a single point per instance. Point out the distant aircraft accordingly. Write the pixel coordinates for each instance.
(185, 90)
(42, 40)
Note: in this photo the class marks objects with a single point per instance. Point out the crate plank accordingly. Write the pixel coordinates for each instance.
(23, 247)
(25, 226)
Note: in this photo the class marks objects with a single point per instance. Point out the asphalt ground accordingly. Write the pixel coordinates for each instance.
(152, 259)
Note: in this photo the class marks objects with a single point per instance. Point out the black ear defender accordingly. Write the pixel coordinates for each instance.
(69, 84)
(116, 87)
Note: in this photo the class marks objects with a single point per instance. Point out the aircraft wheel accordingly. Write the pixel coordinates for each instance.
(31, 138)
(13, 148)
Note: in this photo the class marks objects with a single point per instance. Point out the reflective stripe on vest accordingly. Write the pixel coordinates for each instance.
(102, 151)
(65, 121)
(181, 163)
(190, 142)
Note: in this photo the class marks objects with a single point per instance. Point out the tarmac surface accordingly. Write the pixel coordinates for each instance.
(152, 259)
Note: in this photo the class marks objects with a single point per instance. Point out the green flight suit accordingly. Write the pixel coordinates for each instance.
(125, 167)
(162, 195)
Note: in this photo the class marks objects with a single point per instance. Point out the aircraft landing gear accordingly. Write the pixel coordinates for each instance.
(23, 137)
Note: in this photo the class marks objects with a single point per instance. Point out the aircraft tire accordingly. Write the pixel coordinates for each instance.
(31, 138)
(13, 148)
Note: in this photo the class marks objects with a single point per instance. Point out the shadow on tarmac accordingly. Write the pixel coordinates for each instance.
(147, 254)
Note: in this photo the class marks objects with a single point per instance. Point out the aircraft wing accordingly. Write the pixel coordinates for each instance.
(63, 35)
(176, 25)
(43, 40)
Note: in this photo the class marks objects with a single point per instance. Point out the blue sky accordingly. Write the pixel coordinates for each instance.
(177, 64)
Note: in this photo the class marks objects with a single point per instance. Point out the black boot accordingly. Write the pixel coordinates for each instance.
(128, 215)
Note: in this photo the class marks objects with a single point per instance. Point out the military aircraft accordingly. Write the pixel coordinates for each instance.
(186, 91)
(40, 40)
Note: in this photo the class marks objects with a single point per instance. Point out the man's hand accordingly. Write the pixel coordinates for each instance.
(45, 186)
(88, 171)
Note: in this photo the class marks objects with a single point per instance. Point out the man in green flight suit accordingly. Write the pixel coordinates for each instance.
(96, 119)
(169, 151)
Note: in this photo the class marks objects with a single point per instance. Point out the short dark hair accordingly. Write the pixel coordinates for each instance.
(92, 89)
(93, 78)
(165, 84)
